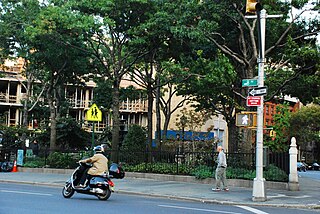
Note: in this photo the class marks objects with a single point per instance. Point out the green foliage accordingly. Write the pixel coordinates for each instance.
(161, 168)
(131, 93)
(240, 173)
(191, 120)
(62, 160)
(240, 161)
(202, 172)
(305, 126)
(281, 127)
(273, 173)
(70, 135)
(103, 93)
(12, 136)
(104, 137)
(34, 162)
(135, 140)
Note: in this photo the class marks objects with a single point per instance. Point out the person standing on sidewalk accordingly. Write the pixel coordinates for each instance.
(221, 171)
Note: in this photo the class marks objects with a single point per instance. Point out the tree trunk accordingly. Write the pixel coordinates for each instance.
(53, 132)
(158, 114)
(232, 138)
(53, 123)
(150, 113)
(166, 125)
(25, 113)
(25, 105)
(115, 121)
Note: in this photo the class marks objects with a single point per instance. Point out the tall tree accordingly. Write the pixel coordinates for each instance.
(106, 28)
(305, 126)
(60, 63)
(168, 107)
(210, 82)
(15, 42)
(155, 69)
(208, 25)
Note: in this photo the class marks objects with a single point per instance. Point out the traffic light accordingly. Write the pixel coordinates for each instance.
(252, 6)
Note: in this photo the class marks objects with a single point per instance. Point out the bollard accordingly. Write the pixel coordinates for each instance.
(293, 175)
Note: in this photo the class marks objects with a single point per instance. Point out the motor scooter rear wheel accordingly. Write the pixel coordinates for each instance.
(68, 191)
(105, 195)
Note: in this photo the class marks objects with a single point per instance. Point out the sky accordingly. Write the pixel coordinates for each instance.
(308, 14)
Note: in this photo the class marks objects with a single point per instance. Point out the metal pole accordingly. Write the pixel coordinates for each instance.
(258, 183)
(218, 132)
(92, 139)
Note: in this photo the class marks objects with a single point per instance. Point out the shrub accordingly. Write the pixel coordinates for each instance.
(61, 160)
(34, 162)
(135, 140)
(273, 173)
(161, 168)
(202, 172)
(240, 173)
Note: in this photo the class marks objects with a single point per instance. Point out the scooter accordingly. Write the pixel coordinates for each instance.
(100, 186)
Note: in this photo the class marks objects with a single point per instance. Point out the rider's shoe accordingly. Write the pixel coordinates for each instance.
(80, 186)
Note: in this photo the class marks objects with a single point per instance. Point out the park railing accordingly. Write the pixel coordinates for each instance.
(199, 164)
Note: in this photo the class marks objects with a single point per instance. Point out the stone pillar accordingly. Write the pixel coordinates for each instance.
(293, 176)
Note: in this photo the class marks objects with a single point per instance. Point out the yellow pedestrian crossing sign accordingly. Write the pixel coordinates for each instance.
(94, 114)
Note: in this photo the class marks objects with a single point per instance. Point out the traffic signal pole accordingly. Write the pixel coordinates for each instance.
(258, 193)
(252, 7)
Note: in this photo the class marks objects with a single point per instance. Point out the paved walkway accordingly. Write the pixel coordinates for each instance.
(307, 197)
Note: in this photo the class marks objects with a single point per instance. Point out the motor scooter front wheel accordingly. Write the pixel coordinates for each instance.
(67, 191)
(105, 195)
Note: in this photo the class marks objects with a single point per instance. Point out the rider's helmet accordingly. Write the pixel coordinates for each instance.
(98, 149)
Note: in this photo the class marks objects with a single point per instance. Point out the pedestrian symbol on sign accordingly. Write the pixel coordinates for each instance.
(245, 120)
(94, 114)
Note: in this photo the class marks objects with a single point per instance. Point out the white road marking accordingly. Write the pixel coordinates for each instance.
(197, 209)
(288, 196)
(27, 193)
(256, 211)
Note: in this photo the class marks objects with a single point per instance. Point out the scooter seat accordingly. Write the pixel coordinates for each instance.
(105, 175)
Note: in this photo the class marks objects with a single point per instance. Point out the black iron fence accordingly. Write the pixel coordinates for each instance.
(199, 164)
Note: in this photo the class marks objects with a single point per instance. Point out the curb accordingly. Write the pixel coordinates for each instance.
(164, 177)
(207, 201)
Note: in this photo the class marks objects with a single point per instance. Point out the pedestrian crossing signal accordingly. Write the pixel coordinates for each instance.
(243, 119)
(246, 119)
(94, 114)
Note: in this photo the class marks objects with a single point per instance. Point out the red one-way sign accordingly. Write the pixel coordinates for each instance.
(253, 101)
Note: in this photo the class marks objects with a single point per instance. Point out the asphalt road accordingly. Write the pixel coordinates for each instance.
(314, 174)
(30, 199)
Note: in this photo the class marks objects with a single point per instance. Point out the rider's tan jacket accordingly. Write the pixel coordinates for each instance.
(100, 164)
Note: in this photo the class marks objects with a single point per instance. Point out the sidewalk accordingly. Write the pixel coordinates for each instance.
(307, 197)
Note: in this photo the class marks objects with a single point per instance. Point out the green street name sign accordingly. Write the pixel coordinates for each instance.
(249, 82)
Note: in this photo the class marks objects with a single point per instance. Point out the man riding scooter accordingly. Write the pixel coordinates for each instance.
(99, 166)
